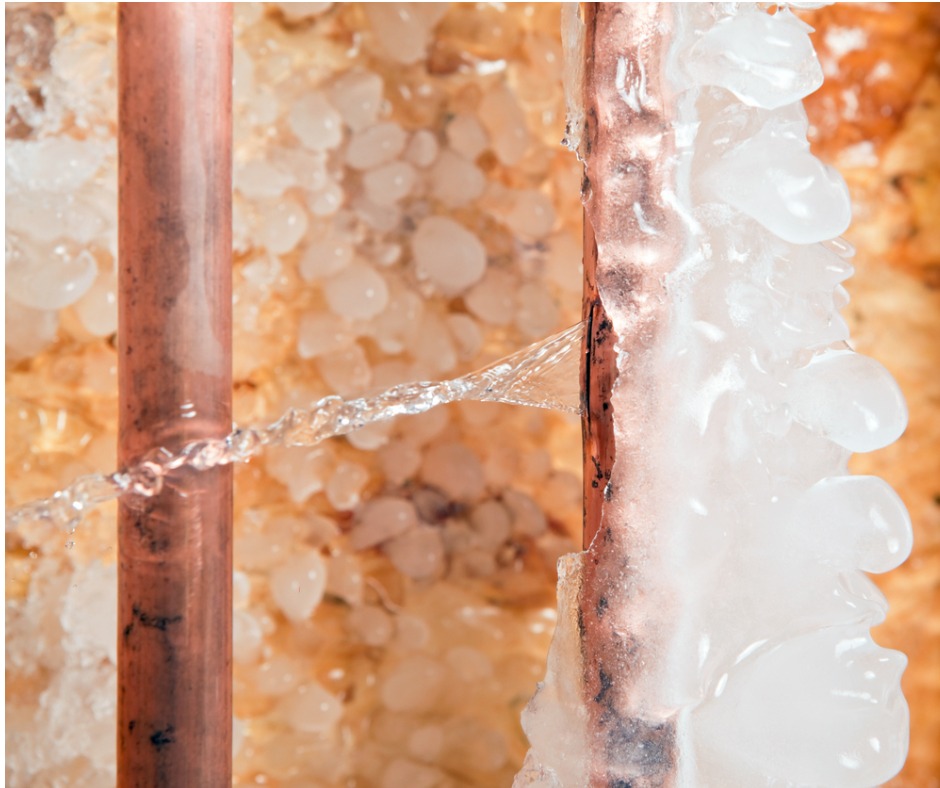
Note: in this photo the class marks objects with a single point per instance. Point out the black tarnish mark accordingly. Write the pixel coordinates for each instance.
(585, 184)
(620, 783)
(608, 491)
(155, 622)
(587, 139)
(602, 606)
(149, 534)
(161, 739)
(606, 683)
(131, 725)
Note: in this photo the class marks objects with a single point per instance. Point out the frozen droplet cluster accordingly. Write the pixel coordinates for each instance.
(743, 604)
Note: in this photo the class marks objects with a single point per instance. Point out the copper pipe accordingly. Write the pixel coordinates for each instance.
(628, 146)
(175, 377)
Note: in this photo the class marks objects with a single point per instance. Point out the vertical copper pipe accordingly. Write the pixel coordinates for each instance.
(629, 150)
(174, 580)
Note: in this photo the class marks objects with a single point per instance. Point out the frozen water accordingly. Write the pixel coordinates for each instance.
(766, 61)
(850, 398)
(715, 632)
(316, 123)
(855, 521)
(773, 177)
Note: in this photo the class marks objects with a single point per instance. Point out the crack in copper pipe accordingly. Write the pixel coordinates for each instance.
(175, 378)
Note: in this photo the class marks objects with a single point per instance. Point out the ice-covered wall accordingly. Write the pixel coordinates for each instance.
(719, 621)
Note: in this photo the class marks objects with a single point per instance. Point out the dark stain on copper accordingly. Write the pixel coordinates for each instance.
(605, 682)
(162, 738)
(156, 622)
(174, 348)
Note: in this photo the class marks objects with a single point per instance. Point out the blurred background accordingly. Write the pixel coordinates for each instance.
(395, 589)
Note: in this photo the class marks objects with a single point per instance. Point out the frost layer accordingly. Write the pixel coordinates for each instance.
(723, 612)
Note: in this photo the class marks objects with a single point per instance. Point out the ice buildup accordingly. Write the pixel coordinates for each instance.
(715, 632)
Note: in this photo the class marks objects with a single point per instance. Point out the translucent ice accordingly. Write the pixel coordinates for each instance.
(821, 709)
(855, 521)
(715, 631)
(773, 177)
(556, 720)
(850, 398)
(766, 61)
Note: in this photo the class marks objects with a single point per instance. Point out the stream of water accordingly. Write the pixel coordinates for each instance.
(543, 375)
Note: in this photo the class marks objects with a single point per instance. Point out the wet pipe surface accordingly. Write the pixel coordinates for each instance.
(175, 370)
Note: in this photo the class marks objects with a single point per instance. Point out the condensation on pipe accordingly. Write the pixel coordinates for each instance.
(175, 377)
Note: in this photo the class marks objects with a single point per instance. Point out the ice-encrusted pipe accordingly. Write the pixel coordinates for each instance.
(716, 629)
(174, 705)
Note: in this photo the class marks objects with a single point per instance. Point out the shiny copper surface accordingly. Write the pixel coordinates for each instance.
(175, 571)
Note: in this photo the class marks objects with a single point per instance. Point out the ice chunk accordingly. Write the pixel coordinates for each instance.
(311, 709)
(404, 29)
(42, 278)
(413, 685)
(357, 292)
(375, 145)
(821, 709)
(852, 399)
(53, 164)
(418, 553)
(857, 522)
(773, 178)
(556, 719)
(766, 61)
(358, 97)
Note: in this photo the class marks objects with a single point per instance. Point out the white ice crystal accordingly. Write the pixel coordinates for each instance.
(738, 651)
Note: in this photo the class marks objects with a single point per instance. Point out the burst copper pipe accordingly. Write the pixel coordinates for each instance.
(175, 253)
(628, 147)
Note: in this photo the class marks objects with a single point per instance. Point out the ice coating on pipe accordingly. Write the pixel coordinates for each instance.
(723, 610)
